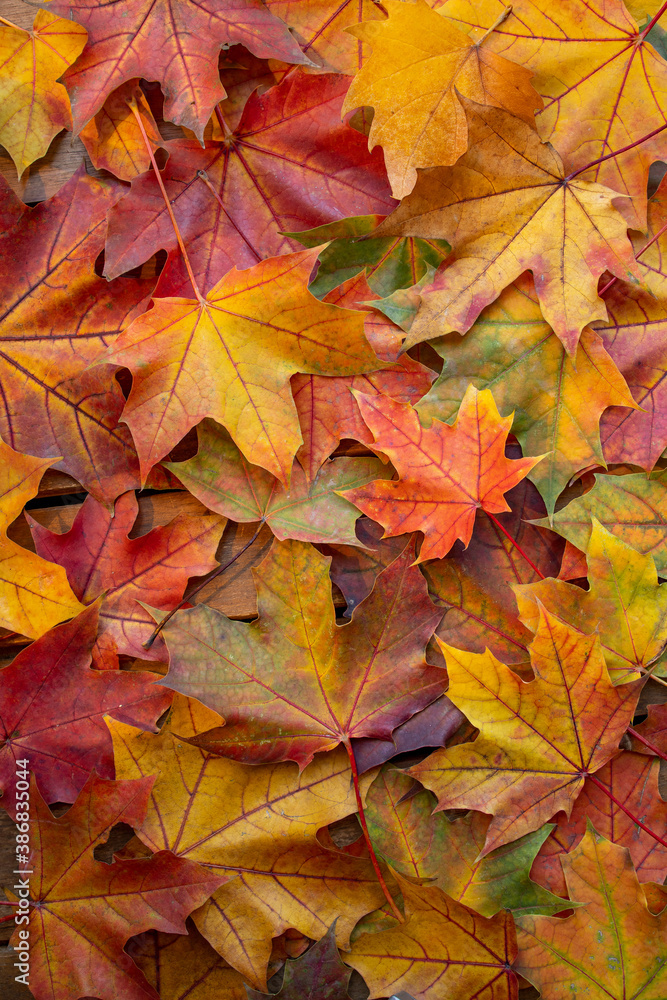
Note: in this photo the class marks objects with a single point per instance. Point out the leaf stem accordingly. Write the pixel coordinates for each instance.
(193, 593)
(226, 131)
(608, 792)
(10, 24)
(617, 152)
(647, 743)
(367, 837)
(496, 24)
(654, 20)
(516, 545)
(132, 104)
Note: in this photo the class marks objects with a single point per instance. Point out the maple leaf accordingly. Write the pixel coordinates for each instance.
(624, 604)
(290, 164)
(319, 974)
(384, 336)
(446, 471)
(320, 28)
(429, 847)
(293, 683)
(613, 947)
(52, 707)
(100, 559)
(328, 412)
(603, 84)
(507, 206)
(83, 910)
(257, 827)
(219, 476)
(420, 67)
(443, 949)
(470, 584)
(113, 139)
(473, 585)
(558, 400)
(185, 967)
(35, 107)
(57, 318)
(389, 263)
(34, 594)
(634, 336)
(633, 508)
(433, 726)
(172, 42)
(538, 740)
(633, 781)
(230, 356)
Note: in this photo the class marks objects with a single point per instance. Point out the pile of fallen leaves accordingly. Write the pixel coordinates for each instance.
(406, 307)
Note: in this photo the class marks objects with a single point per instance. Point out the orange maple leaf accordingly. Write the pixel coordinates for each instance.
(447, 472)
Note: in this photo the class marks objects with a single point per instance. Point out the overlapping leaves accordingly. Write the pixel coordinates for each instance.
(506, 294)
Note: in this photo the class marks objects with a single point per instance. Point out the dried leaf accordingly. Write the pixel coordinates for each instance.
(420, 67)
(293, 683)
(634, 336)
(219, 476)
(185, 967)
(230, 357)
(172, 42)
(633, 781)
(633, 508)
(447, 472)
(256, 826)
(428, 846)
(443, 949)
(624, 604)
(557, 400)
(539, 739)
(613, 947)
(113, 138)
(319, 27)
(290, 164)
(58, 318)
(101, 559)
(567, 232)
(603, 86)
(86, 909)
(35, 107)
(34, 594)
(52, 707)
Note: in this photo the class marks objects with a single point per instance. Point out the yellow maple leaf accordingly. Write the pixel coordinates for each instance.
(420, 66)
(33, 105)
(34, 593)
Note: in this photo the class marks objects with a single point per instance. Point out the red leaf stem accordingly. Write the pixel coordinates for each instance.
(609, 793)
(369, 843)
(186, 260)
